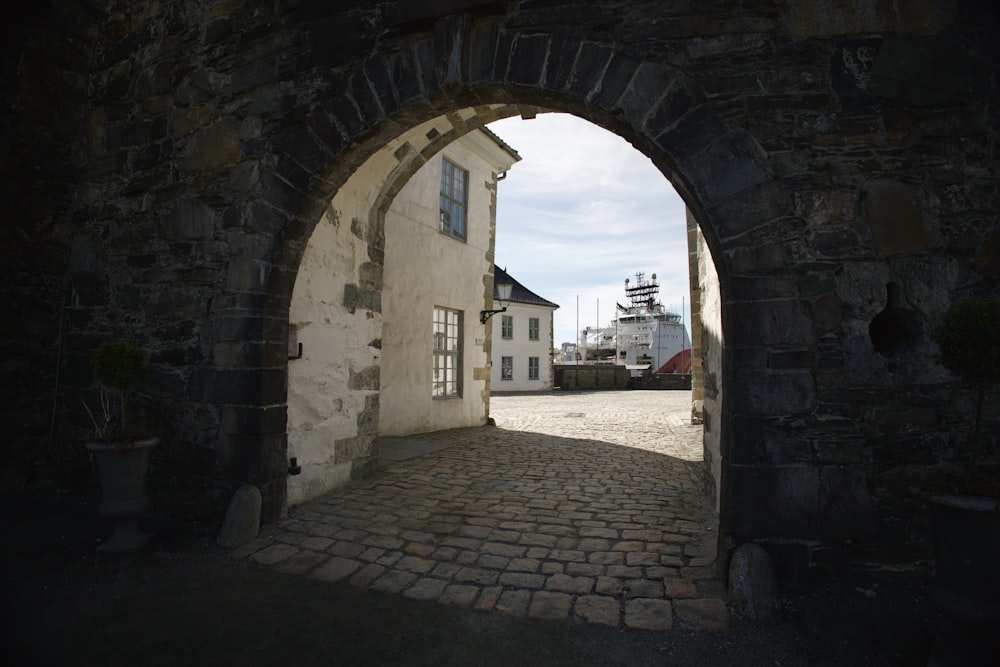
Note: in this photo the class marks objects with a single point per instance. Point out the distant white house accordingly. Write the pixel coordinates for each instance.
(434, 361)
(522, 340)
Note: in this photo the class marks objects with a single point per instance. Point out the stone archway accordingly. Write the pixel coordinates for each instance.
(205, 143)
(670, 126)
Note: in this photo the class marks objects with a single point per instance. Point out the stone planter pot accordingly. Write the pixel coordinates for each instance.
(966, 535)
(123, 472)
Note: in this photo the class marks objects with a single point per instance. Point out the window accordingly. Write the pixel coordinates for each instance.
(532, 368)
(454, 199)
(507, 326)
(532, 328)
(447, 353)
(506, 368)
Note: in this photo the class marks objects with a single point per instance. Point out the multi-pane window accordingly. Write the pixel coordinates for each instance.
(532, 328)
(532, 368)
(507, 326)
(447, 353)
(454, 199)
(506, 368)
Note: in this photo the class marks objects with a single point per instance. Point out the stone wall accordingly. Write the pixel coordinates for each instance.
(172, 161)
(587, 378)
(708, 348)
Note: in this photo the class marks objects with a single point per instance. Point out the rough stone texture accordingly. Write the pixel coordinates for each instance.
(753, 590)
(709, 615)
(598, 609)
(242, 521)
(646, 614)
(165, 168)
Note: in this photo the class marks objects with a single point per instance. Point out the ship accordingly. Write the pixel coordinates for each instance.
(644, 335)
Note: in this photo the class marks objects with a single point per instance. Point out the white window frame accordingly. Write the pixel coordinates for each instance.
(533, 368)
(447, 353)
(506, 327)
(454, 202)
(533, 328)
(506, 368)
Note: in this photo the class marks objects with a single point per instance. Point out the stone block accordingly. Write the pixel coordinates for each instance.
(449, 36)
(426, 589)
(588, 69)
(705, 615)
(691, 133)
(616, 79)
(598, 609)
(563, 47)
(377, 72)
(214, 147)
(274, 554)
(648, 614)
(551, 606)
(336, 569)
(895, 214)
(769, 322)
(480, 51)
(527, 59)
(927, 71)
(728, 166)
(459, 595)
(753, 589)
(242, 521)
(367, 379)
(648, 86)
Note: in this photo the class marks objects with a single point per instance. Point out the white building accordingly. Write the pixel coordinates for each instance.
(402, 334)
(522, 340)
(434, 361)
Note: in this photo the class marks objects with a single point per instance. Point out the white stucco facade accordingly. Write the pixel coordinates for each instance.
(365, 327)
(520, 348)
(457, 277)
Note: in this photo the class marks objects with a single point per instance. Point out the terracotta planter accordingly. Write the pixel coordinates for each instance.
(123, 472)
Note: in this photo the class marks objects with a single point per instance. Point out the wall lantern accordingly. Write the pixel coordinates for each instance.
(503, 296)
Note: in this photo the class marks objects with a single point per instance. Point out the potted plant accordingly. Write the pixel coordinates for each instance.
(121, 453)
(965, 496)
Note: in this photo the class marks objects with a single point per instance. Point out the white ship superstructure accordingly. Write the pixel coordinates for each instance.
(644, 335)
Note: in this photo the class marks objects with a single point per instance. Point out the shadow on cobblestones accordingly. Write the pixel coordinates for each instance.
(507, 545)
(521, 523)
(186, 602)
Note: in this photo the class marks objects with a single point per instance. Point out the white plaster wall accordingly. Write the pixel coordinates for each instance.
(520, 347)
(323, 410)
(424, 269)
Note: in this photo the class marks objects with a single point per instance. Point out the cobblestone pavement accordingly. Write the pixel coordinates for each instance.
(586, 506)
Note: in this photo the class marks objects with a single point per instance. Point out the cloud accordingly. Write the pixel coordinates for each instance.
(582, 212)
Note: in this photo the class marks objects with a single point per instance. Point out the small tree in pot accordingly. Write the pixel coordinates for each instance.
(969, 338)
(122, 456)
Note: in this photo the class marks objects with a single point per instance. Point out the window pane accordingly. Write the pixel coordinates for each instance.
(447, 350)
(454, 199)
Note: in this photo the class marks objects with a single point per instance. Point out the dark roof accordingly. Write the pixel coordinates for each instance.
(500, 142)
(520, 293)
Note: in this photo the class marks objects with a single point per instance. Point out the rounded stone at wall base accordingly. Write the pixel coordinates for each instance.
(752, 586)
(242, 521)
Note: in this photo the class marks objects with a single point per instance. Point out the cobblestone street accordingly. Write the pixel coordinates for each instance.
(576, 505)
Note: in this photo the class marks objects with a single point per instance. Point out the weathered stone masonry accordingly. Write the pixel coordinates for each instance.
(166, 163)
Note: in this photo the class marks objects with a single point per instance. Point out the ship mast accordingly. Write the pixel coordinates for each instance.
(643, 293)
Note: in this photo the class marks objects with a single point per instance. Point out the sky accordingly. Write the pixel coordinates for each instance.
(581, 212)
